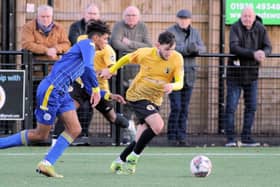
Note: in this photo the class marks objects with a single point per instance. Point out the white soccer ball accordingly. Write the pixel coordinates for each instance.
(200, 166)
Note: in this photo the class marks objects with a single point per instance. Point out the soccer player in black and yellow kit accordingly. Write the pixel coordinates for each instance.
(104, 58)
(159, 66)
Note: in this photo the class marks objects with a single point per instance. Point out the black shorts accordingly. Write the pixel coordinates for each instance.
(80, 95)
(104, 106)
(143, 109)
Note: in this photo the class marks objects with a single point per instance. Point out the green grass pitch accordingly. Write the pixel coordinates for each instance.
(158, 166)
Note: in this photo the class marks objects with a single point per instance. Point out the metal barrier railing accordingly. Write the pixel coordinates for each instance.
(206, 116)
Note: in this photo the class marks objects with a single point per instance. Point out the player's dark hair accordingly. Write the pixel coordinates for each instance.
(98, 27)
(166, 38)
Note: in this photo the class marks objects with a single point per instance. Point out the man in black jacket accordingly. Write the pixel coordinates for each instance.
(79, 27)
(250, 43)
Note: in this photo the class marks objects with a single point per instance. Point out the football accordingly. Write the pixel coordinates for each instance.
(200, 166)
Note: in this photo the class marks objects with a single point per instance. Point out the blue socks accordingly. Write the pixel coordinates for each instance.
(62, 143)
(14, 140)
(21, 138)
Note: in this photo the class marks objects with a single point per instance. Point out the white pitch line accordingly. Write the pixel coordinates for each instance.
(150, 154)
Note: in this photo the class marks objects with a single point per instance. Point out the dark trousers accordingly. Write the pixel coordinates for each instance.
(250, 100)
(179, 105)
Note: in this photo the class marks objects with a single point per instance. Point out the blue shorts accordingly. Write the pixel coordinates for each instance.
(51, 103)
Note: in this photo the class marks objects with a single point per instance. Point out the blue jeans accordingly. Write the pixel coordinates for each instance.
(177, 122)
(250, 100)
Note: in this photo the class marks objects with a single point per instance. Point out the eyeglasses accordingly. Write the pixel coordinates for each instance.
(131, 15)
(93, 13)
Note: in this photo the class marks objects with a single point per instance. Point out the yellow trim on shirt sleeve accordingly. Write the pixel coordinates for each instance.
(95, 90)
(107, 96)
(179, 82)
(121, 62)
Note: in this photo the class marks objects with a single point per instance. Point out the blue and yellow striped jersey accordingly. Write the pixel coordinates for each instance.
(77, 62)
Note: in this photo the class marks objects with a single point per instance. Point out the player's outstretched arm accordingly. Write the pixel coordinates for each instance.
(117, 98)
(113, 97)
(107, 73)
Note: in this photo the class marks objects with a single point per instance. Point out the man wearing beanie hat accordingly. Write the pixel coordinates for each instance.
(189, 44)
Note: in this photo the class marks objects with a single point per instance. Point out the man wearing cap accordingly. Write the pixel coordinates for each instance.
(189, 44)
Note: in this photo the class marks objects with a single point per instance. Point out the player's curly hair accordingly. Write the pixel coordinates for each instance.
(97, 27)
(166, 38)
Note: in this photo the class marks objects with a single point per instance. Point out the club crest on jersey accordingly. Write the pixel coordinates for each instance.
(113, 58)
(150, 107)
(167, 70)
(47, 116)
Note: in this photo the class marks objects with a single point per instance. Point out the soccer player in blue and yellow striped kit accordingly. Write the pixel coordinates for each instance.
(54, 100)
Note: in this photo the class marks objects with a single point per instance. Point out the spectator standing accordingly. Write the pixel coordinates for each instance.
(46, 39)
(250, 43)
(79, 27)
(128, 35)
(43, 36)
(189, 44)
